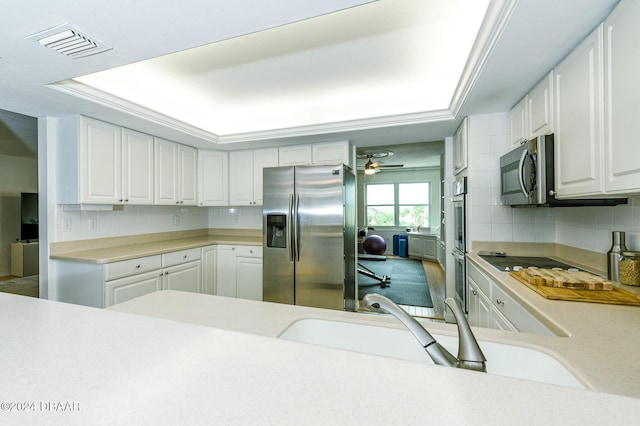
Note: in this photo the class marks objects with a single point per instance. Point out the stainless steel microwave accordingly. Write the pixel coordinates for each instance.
(527, 177)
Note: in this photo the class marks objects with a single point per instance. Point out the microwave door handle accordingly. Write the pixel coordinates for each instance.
(521, 172)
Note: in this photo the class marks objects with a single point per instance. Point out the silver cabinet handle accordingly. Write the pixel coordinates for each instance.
(499, 302)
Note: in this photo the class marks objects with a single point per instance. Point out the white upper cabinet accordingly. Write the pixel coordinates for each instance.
(101, 163)
(533, 115)
(137, 167)
(578, 120)
(175, 173)
(622, 88)
(460, 141)
(89, 161)
(332, 153)
(266, 157)
(245, 175)
(540, 108)
(295, 155)
(519, 120)
(213, 178)
(187, 175)
(241, 178)
(166, 172)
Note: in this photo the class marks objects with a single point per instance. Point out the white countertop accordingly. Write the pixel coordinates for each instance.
(120, 368)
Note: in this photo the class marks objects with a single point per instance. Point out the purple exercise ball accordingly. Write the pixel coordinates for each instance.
(374, 244)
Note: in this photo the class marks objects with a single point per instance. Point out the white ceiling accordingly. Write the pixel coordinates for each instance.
(313, 63)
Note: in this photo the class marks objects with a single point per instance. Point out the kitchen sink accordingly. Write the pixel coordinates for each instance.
(502, 359)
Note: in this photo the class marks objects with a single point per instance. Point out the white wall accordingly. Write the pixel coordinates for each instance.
(584, 227)
(131, 220)
(235, 217)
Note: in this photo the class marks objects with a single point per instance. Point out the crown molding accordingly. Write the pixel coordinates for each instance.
(495, 21)
(95, 96)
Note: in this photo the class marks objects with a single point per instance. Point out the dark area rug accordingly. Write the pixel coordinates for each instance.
(408, 281)
(27, 286)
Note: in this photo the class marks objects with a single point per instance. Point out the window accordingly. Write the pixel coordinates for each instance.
(398, 204)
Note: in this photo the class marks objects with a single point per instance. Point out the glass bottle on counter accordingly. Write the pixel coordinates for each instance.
(629, 268)
(614, 255)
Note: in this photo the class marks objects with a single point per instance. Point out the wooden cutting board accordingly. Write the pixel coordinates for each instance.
(575, 280)
(616, 296)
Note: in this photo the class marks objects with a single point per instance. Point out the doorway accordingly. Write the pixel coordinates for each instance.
(18, 183)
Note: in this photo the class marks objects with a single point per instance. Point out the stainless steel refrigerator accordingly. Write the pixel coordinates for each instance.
(309, 236)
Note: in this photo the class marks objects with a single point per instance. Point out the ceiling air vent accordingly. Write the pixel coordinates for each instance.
(70, 42)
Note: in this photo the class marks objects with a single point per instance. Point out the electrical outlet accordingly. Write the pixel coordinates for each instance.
(66, 224)
(93, 224)
(176, 220)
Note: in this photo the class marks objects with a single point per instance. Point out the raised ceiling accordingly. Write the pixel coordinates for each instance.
(262, 51)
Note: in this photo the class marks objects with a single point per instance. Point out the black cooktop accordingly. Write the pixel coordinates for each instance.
(508, 263)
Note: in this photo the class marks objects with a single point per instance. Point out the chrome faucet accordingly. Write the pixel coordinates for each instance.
(470, 355)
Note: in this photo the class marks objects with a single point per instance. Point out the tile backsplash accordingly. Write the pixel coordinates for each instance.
(588, 228)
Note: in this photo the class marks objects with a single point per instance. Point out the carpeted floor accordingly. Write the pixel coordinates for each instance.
(408, 281)
(26, 286)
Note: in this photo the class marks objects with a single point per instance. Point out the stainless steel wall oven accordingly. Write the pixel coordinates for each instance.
(459, 251)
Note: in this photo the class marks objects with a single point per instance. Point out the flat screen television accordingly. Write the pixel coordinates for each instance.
(29, 216)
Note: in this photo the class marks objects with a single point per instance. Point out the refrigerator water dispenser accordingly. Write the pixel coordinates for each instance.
(276, 230)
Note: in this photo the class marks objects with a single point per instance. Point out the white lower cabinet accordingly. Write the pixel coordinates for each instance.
(209, 267)
(239, 271)
(491, 307)
(223, 270)
(249, 272)
(185, 277)
(423, 246)
(123, 289)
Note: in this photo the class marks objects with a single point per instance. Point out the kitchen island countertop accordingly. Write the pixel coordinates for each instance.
(107, 367)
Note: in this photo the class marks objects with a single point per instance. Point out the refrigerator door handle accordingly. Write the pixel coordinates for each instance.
(296, 229)
(289, 226)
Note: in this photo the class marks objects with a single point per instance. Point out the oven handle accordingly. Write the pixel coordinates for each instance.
(521, 173)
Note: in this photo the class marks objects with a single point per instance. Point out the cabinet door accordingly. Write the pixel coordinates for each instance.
(213, 178)
(499, 322)
(622, 87)
(209, 269)
(294, 155)
(166, 172)
(226, 271)
(484, 311)
(519, 120)
(186, 277)
(241, 178)
(123, 289)
(249, 278)
(100, 162)
(416, 246)
(137, 168)
(267, 157)
(330, 153)
(472, 300)
(540, 108)
(460, 147)
(578, 110)
(187, 175)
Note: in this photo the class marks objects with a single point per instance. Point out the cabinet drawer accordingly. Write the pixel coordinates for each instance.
(249, 251)
(127, 268)
(182, 256)
(484, 284)
(516, 314)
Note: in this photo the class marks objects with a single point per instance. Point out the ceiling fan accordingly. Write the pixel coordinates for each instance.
(374, 167)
